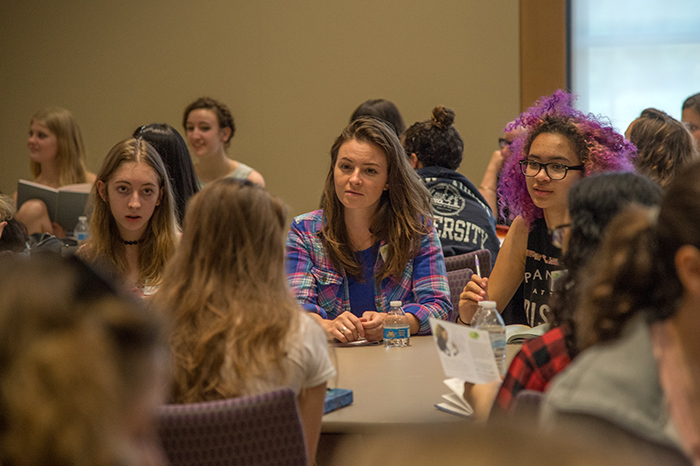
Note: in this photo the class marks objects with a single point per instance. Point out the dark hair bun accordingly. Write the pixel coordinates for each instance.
(442, 117)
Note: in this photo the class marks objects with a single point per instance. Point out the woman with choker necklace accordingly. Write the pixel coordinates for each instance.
(133, 229)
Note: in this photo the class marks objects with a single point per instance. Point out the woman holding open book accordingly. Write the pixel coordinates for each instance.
(133, 229)
(57, 158)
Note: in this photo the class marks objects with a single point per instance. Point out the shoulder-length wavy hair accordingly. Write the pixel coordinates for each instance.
(173, 150)
(634, 270)
(104, 244)
(226, 293)
(402, 216)
(664, 145)
(598, 146)
(70, 152)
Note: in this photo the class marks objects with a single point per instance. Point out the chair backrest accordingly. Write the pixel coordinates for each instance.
(457, 280)
(251, 430)
(527, 403)
(467, 260)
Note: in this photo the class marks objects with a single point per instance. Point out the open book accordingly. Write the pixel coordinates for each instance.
(454, 401)
(64, 204)
(518, 333)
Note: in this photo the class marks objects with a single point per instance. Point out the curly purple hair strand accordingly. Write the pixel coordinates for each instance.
(599, 148)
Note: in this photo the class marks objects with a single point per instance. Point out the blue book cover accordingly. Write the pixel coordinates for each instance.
(337, 398)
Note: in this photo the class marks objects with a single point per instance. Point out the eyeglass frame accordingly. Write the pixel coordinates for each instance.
(558, 235)
(523, 168)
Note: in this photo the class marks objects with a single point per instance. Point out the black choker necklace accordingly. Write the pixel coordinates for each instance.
(130, 243)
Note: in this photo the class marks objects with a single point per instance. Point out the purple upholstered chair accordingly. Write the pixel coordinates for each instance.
(251, 430)
(467, 261)
(457, 280)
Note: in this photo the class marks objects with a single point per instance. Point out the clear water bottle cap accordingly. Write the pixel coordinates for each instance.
(396, 304)
(488, 304)
(82, 218)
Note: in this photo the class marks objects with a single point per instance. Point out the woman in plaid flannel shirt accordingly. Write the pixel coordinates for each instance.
(372, 243)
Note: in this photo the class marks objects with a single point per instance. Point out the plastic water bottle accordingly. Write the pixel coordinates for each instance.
(488, 318)
(396, 329)
(80, 232)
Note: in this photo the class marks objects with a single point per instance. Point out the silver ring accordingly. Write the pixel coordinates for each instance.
(344, 329)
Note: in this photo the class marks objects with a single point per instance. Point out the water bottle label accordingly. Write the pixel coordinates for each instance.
(392, 333)
(81, 236)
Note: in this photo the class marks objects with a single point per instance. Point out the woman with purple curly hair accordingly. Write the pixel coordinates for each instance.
(560, 145)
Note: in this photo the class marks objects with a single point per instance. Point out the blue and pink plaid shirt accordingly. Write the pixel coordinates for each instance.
(320, 288)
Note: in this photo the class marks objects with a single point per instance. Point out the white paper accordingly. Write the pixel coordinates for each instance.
(465, 353)
(456, 404)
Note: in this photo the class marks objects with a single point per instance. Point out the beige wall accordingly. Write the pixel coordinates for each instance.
(291, 71)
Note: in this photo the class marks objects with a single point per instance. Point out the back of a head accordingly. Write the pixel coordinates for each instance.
(593, 203)
(233, 235)
(458, 443)
(664, 145)
(635, 266)
(227, 278)
(435, 142)
(75, 358)
(692, 102)
(382, 109)
(176, 157)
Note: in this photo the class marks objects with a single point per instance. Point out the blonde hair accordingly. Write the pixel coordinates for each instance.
(70, 152)
(104, 244)
(75, 358)
(404, 210)
(226, 293)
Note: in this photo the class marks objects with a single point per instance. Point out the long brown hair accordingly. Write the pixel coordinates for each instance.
(404, 210)
(158, 243)
(226, 293)
(634, 270)
(70, 151)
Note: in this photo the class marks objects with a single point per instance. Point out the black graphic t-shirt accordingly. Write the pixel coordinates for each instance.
(463, 220)
(541, 267)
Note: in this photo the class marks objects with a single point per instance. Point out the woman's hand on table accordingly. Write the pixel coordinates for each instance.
(474, 292)
(373, 324)
(345, 328)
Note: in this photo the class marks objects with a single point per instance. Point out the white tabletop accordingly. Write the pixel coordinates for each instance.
(391, 386)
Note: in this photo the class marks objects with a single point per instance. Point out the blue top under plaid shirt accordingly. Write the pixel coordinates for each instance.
(320, 288)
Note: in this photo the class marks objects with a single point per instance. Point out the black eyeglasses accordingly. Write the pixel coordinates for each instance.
(558, 235)
(503, 143)
(554, 170)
